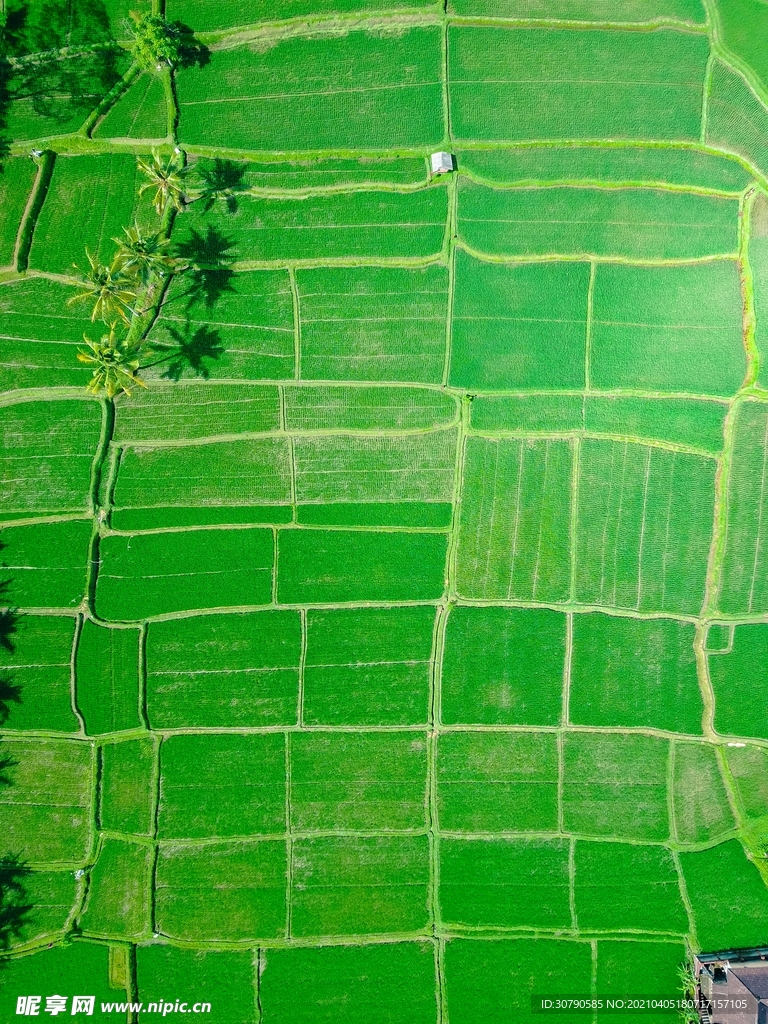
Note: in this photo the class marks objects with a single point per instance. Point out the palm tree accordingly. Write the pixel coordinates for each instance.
(166, 177)
(112, 291)
(142, 255)
(116, 361)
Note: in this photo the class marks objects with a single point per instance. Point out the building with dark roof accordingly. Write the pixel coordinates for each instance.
(732, 986)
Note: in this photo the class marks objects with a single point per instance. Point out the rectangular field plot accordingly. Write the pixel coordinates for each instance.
(637, 223)
(352, 91)
(330, 407)
(127, 787)
(634, 672)
(583, 10)
(46, 563)
(683, 421)
(48, 450)
(436, 515)
(234, 325)
(190, 411)
(367, 225)
(350, 984)
(40, 335)
(359, 886)
(221, 892)
(54, 94)
(548, 83)
(51, 896)
(744, 586)
(368, 666)
(79, 966)
(497, 782)
(748, 766)
(221, 786)
(515, 518)
(417, 467)
(336, 566)
(622, 887)
(522, 651)
(728, 896)
(495, 980)
(196, 976)
(519, 326)
(621, 963)
(223, 671)
(668, 328)
(740, 683)
(528, 414)
(248, 472)
(15, 185)
(358, 781)
(758, 263)
(119, 891)
(107, 678)
(213, 15)
(616, 786)
(595, 164)
(313, 172)
(518, 883)
(373, 323)
(736, 119)
(643, 527)
(90, 200)
(36, 671)
(45, 813)
(147, 574)
(700, 802)
(140, 113)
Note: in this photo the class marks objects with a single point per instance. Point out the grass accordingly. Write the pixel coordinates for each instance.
(351, 93)
(39, 666)
(382, 658)
(653, 81)
(238, 787)
(126, 799)
(251, 659)
(107, 670)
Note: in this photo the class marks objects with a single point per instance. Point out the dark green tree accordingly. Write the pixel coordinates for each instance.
(157, 43)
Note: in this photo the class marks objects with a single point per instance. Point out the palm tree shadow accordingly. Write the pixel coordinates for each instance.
(221, 179)
(190, 350)
(209, 265)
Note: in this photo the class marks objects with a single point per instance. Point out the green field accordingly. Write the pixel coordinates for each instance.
(398, 653)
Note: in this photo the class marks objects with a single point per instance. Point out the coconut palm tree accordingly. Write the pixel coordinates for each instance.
(111, 290)
(143, 255)
(116, 363)
(166, 177)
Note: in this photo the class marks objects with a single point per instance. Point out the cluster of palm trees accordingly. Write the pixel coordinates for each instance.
(125, 289)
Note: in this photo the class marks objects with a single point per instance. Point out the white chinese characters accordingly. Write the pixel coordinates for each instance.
(29, 1006)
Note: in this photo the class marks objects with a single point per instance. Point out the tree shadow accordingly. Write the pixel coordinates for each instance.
(54, 84)
(191, 350)
(193, 53)
(13, 26)
(15, 908)
(221, 179)
(55, 24)
(9, 617)
(208, 263)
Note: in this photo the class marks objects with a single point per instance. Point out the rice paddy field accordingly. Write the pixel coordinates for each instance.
(400, 652)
